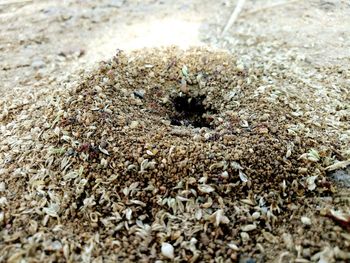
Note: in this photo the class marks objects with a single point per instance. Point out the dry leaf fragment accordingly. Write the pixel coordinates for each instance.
(247, 228)
(263, 130)
(236, 166)
(269, 237)
(245, 236)
(218, 218)
(3, 201)
(290, 147)
(233, 246)
(183, 86)
(2, 187)
(204, 188)
(198, 214)
(242, 176)
(324, 256)
(310, 181)
(341, 254)
(128, 213)
(342, 218)
(103, 150)
(312, 156)
(184, 71)
(244, 124)
(338, 165)
(52, 210)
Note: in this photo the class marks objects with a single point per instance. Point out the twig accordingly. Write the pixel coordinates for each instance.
(268, 7)
(233, 16)
(239, 7)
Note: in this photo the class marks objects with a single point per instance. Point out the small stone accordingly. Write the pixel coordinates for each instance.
(139, 94)
(70, 152)
(224, 175)
(256, 215)
(306, 221)
(167, 250)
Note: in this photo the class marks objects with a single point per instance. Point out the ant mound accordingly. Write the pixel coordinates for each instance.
(170, 154)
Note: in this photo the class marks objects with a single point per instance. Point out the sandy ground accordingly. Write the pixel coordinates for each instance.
(44, 40)
(48, 45)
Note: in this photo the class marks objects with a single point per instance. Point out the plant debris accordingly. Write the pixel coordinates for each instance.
(105, 172)
(341, 218)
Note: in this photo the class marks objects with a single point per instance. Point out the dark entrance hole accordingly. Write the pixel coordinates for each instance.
(190, 111)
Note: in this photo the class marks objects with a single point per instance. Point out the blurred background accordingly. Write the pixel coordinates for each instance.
(42, 41)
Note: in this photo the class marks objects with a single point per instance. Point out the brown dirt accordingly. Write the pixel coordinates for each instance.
(220, 153)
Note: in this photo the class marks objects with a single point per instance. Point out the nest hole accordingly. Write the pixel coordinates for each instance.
(190, 111)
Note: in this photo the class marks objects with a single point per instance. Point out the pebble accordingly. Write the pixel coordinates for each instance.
(256, 215)
(139, 94)
(341, 177)
(224, 175)
(305, 220)
(167, 250)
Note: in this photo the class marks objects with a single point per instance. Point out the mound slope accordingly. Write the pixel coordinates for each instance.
(158, 147)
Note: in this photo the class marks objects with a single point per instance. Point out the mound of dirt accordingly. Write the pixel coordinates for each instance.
(171, 155)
